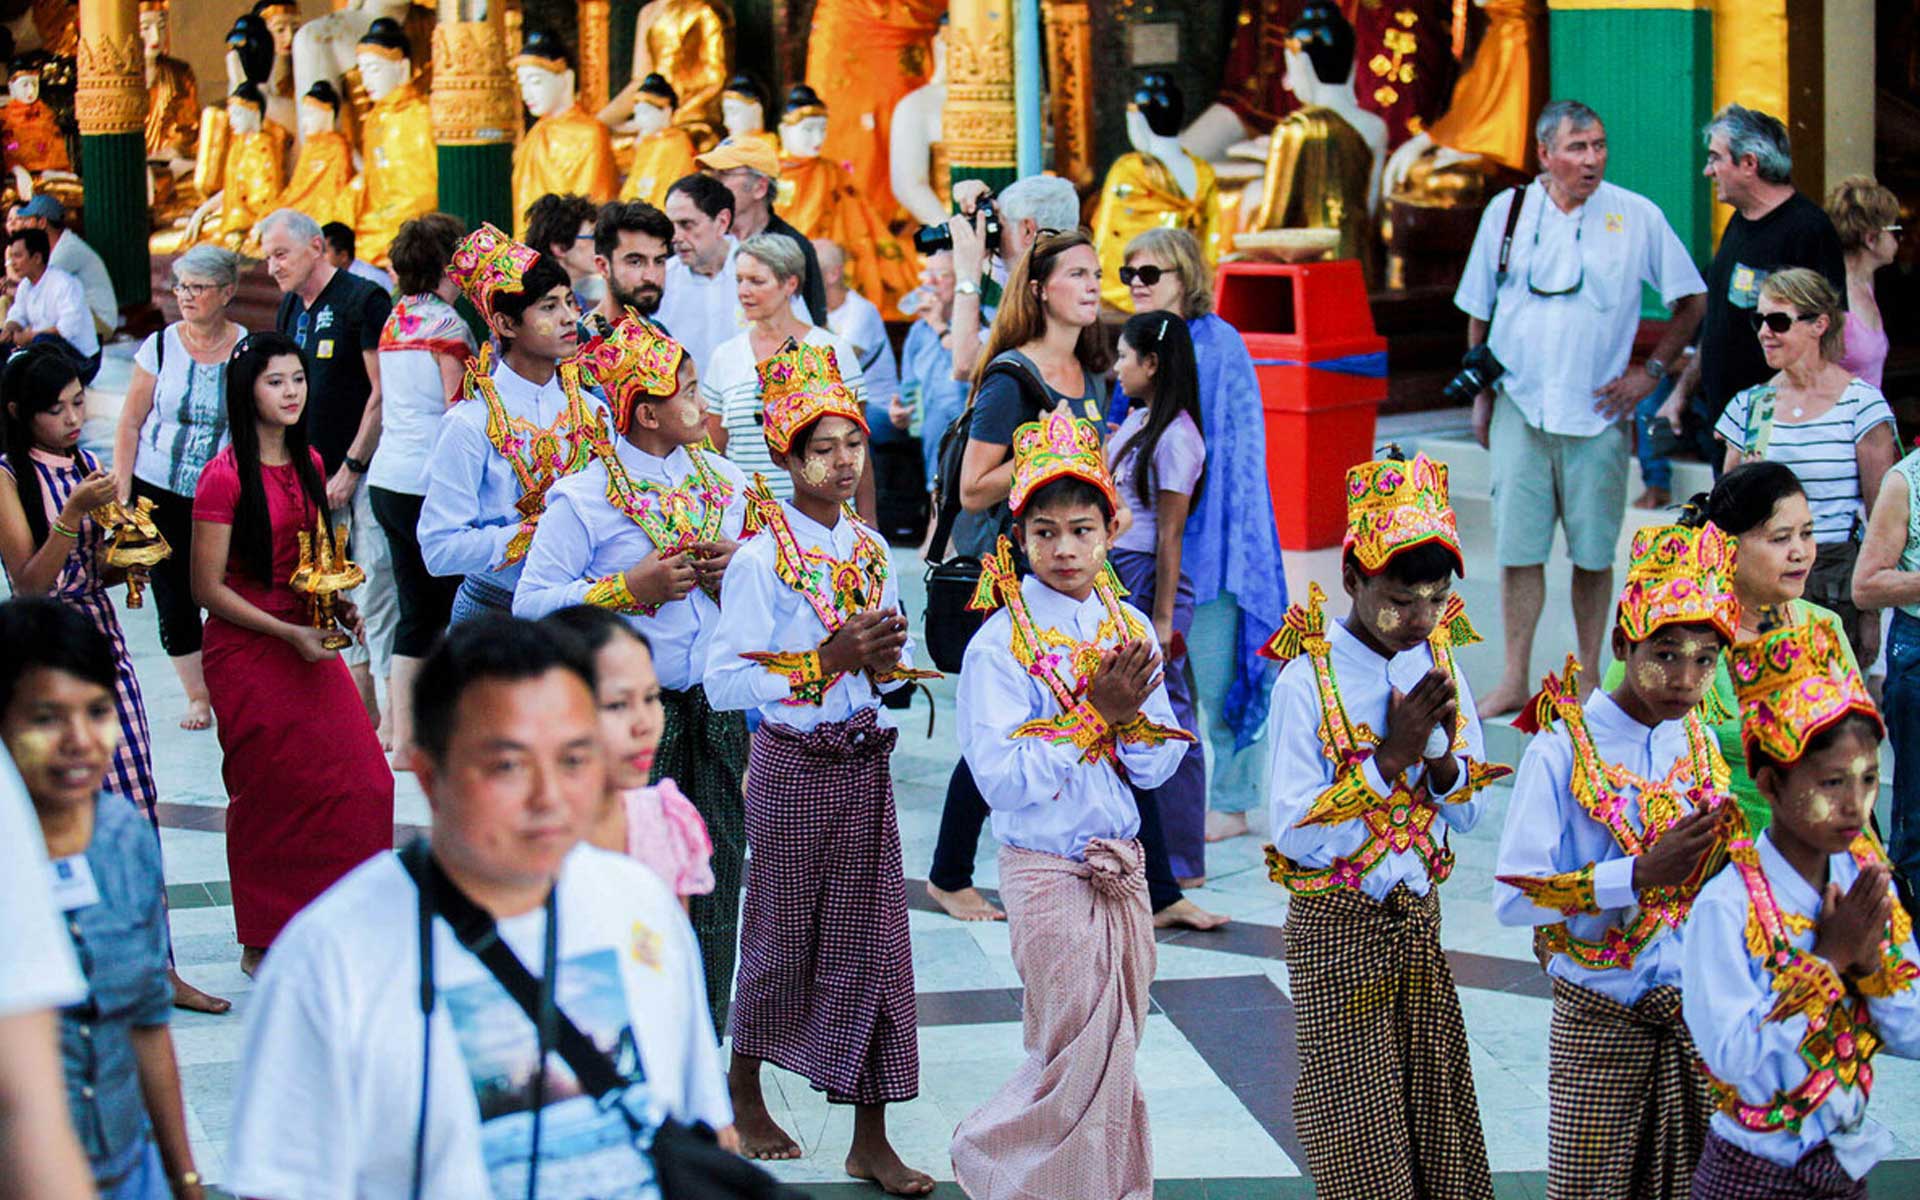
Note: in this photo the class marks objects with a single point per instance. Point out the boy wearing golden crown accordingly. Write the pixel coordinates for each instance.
(1377, 756)
(1062, 712)
(647, 530)
(1619, 812)
(1800, 964)
(810, 633)
(521, 423)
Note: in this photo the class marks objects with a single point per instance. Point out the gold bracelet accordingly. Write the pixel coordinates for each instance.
(63, 531)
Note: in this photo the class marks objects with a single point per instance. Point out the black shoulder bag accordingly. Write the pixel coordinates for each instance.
(687, 1162)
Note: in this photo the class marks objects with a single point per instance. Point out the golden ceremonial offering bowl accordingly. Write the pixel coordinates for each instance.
(137, 543)
(324, 572)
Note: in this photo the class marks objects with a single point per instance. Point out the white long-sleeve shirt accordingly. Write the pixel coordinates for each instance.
(1300, 769)
(1044, 796)
(1548, 834)
(583, 538)
(1727, 994)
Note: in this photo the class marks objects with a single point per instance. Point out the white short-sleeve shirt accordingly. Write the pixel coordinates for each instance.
(730, 383)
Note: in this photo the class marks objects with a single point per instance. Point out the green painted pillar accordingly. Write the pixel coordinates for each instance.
(476, 115)
(1653, 111)
(111, 106)
(476, 183)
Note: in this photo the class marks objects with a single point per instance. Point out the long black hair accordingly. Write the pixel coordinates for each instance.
(1176, 390)
(252, 526)
(30, 385)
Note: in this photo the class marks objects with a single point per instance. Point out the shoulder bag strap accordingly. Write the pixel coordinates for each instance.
(949, 512)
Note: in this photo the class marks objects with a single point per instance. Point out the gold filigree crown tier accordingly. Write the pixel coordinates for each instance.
(1396, 504)
(488, 263)
(799, 384)
(1794, 684)
(631, 364)
(1680, 575)
(1058, 446)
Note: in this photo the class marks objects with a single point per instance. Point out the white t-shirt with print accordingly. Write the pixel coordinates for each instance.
(328, 1096)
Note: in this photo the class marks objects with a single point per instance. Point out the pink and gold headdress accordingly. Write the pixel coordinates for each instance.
(1680, 575)
(487, 263)
(1058, 446)
(1793, 683)
(632, 363)
(1395, 504)
(800, 384)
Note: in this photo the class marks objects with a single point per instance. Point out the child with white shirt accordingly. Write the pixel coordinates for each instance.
(1377, 755)
(810, 633)
(1620, 810)
(1063, 710)
(1799, 962)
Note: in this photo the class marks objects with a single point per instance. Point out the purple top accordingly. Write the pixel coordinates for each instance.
(1177, 462)
(1865, 349)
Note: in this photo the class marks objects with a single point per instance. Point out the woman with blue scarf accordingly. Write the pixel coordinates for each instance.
(1232, 547)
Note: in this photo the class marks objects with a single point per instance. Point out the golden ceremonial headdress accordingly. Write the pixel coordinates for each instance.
(1058, 446)
(800, 384)
(486, 263)
(1395, 504)
(1793, 683)
(1680, 575)
(631, 364)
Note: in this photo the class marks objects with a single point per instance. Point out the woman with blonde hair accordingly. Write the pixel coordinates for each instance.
(1867, 217)
(1831, 427)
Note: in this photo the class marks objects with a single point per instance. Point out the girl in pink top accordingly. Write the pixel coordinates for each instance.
(654, 825)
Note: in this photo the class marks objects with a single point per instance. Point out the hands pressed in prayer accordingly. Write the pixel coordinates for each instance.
(1121, 683)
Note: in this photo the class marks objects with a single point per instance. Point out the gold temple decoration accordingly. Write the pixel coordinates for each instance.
(474, 99)
(594, 81)
(111, 96)
(978, 126)
(1070, 72)
(137, 543)
(324, 572)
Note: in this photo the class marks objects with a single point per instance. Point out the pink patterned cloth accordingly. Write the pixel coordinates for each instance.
(665, 833)
(1072, 1122)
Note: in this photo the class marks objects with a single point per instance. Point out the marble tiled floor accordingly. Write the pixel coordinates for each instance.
(1218, 1061)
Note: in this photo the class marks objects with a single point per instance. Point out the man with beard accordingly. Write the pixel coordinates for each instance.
(632, 241)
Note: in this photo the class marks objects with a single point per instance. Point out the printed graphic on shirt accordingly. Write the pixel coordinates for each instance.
(586, 1150)
(1743, 287)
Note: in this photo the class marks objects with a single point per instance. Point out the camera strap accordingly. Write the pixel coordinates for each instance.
(1502, 267)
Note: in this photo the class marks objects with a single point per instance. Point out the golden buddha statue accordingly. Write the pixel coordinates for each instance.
(324, 572)
(1323, 160)
(863, 57)
(1487, 130)
(1158, 185)
(283, 21)
(660, 152)
(137, 543)
(323, 184)
(566, 151)
(689, 43)
(245, 182)
(743, 110)
(173, 117)
(817, 196)
(401, 166)
(33, 142)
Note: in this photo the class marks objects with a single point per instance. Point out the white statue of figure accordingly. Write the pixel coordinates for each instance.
(803, 138)
(324, 48)
(916, 160)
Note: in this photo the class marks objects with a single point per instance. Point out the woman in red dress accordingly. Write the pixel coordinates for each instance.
(309, 792)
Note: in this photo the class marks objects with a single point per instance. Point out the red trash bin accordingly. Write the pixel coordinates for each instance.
(1323, 374)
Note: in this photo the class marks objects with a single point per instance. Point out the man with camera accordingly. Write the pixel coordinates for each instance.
(1552, 290)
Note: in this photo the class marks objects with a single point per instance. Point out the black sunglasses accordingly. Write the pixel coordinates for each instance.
(1779, 322)
(1148, 275)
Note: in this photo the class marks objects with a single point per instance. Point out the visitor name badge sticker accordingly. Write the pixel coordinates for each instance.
(73, 885)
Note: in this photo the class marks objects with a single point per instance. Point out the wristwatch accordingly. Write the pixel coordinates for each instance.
(966, 287)
(1656, 370)
(357, 466)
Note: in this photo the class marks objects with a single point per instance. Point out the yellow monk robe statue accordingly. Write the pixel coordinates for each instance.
(322, 184)
(255, 171)
(817, 196)
(173, 117)
(661, 153)
(1491, 114)
(1318, 171)
(567, 150)
(690, 44)
(30, 137)
(862, 57)
(402, 172)
(1142, 194)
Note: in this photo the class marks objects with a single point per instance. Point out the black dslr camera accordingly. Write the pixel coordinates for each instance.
(932, 239)
(1479, 370)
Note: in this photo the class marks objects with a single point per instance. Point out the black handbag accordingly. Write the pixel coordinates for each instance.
(687, 1162)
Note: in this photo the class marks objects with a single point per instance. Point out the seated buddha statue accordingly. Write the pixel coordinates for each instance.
(246, 184)
(173, 117)
(282, 18)
(402, 173)
(863, 56)
(566, 151)
(1323, 162)
(743, 110)
(689, 43)
(1487, 130)
(1158, 185)
(660, 152)
(323, 184)
(817, 196)
(34, 142)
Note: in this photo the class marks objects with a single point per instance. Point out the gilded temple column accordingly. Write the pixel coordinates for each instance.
(111, 106)
(476, 112)
(979, 125)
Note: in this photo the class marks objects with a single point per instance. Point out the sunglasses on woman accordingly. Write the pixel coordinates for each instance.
(1147, 276)
(1779, 322)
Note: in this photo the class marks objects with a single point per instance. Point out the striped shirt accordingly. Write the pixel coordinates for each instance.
(730, 384)
(1821, 450)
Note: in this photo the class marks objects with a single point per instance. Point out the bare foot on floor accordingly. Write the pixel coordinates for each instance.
(250, 959)
(883, 1167)
(400, 758)
(761, 1136)
(967, 904)
(1224, 825)
(1185, 914)
(191, 998)
(199, 715)
(1504, 699)
(1654, 497)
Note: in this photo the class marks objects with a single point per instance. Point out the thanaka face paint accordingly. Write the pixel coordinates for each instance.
(1429, 591)
(814, 470)
(1650, 676)
(33, 748)
(859, 460)
(1386, 618)
(1819, 808)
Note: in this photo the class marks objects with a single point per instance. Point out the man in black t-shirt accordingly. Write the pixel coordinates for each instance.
(1773, 227)
(336, 318)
